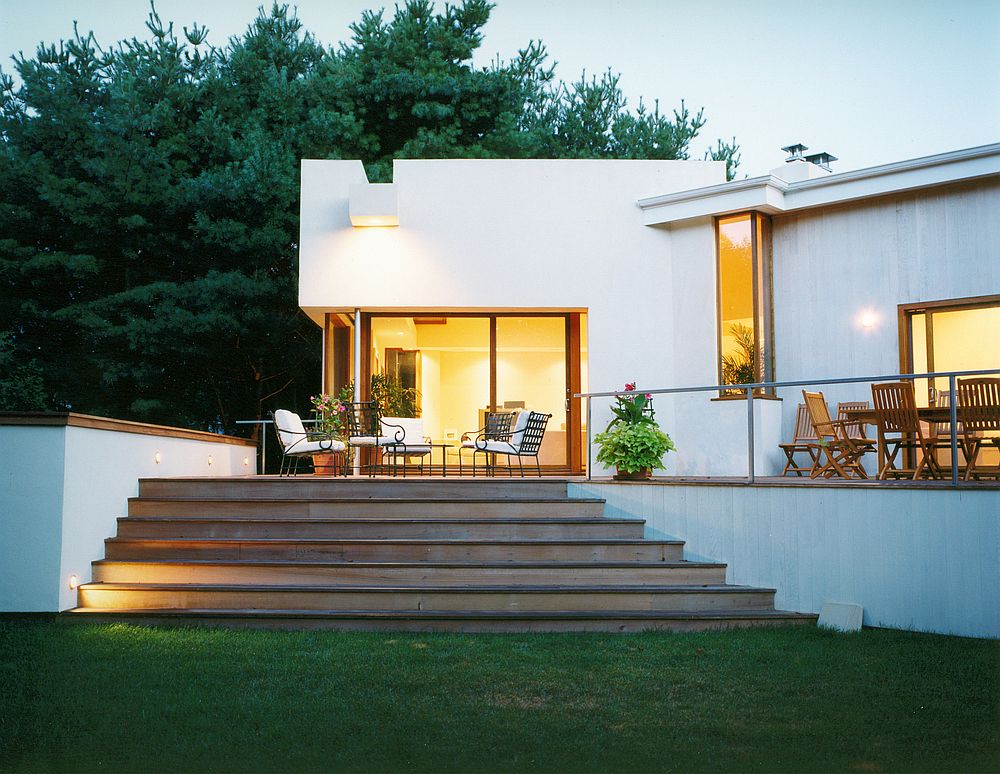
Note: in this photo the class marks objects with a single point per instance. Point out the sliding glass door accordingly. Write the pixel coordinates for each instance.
(450, 369)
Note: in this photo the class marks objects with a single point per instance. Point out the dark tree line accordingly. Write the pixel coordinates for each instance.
(149, 192)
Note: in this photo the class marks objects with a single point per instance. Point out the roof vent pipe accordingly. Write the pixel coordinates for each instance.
(794, 151)
(821, 160)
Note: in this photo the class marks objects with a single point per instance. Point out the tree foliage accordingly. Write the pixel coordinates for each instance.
(149, 197)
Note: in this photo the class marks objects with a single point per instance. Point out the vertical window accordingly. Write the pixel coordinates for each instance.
(745, 324)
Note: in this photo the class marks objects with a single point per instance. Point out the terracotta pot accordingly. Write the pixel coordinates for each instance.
(640, 475)
(327, 464)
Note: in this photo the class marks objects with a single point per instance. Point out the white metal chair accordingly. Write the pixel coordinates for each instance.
(296, 442)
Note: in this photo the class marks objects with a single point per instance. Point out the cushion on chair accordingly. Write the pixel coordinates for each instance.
(303, 446)
(501, 447)
(517, 432)
(289, 427)
(411, 429)
(371, 440)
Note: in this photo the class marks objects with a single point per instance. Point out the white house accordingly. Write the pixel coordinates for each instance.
(523, 282)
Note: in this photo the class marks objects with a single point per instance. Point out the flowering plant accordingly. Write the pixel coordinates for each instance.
(328, 412)
(634, 409)
(632, 441)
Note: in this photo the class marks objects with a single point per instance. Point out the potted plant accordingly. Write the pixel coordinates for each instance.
(632, 441)
(328, 412)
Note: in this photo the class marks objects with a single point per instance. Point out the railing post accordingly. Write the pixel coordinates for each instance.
(750, 444)
(263, 447)
(953, 405)
(589, 431)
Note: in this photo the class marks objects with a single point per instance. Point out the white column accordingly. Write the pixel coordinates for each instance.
(357, 377)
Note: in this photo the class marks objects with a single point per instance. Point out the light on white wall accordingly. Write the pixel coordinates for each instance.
(246, 462)
(73, 582)
(210, 460)
(868, 319)
(157, 458)
(373, 204)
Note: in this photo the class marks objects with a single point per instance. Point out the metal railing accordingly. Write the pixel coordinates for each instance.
(749, 390)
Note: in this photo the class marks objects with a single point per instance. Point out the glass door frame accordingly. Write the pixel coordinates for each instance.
(574, 417)
(928, 309)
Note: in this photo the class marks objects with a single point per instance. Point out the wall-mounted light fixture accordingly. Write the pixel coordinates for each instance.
(210, 460)
(246, 462)
(73, 582)
(157, 458)
(374, 204)
(868, 319)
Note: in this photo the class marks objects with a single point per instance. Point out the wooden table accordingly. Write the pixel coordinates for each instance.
(926, 413)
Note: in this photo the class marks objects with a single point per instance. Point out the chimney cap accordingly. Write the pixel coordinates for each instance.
(794, 151)
(821, 159)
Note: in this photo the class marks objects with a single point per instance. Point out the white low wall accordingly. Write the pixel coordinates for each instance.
(64, 483)
(918, 559)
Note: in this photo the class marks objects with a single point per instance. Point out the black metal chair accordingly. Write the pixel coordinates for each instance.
(365, 432)
(497, 427)
(525, 440)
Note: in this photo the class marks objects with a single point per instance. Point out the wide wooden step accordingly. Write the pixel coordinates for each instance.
(263, 573)
(336, 487)
(558, 528)
(448, 621)
(355, 508)
(442, 598)
(395, 550)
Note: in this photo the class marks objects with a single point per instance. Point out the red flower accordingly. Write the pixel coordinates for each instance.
(630, 387)
(649, 396)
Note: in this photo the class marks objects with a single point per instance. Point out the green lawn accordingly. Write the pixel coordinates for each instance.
(126, 698)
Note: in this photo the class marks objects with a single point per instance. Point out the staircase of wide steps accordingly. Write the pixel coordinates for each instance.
(403, 555)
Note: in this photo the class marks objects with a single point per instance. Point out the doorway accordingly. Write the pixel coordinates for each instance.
(459, 366)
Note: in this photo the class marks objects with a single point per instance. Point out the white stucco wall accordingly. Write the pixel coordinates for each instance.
(914, 559)
(495, 235)
(65, 488)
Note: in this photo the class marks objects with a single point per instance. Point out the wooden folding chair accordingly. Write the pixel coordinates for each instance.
(843, 454)
(899, 428)
(803, 442)
(979, 412)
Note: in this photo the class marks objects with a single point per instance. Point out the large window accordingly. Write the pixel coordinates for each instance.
(955, 335)
(745, 323)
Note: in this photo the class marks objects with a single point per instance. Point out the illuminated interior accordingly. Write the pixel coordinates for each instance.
(962, 339)
(736, 313)
(459, 366)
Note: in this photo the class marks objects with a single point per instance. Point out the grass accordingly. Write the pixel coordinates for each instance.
(127, 698)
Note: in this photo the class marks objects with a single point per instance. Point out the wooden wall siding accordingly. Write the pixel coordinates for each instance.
(915, 559)
(831, 264)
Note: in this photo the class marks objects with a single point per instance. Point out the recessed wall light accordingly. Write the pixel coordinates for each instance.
(73, 582)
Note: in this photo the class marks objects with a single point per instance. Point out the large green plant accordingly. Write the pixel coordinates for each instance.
(633, 441)
(633, 447)
(393, 399)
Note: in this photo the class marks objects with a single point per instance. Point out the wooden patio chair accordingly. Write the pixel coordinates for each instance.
(843, 453)
(803, 442)
(296, 442)
(979, 412)
(899, 428)
(855, 427)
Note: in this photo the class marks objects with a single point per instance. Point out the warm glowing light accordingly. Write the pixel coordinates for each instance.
(868, 320)
(210, 460)
(157, 458)
(246, 462)
(73, 582)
